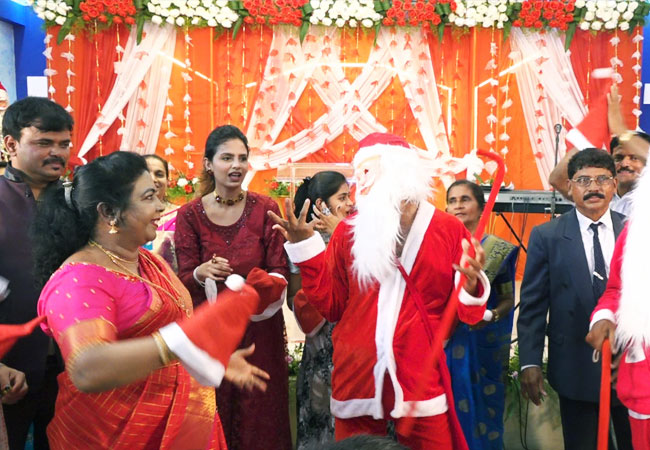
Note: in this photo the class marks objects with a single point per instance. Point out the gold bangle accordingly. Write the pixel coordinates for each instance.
(166, 356)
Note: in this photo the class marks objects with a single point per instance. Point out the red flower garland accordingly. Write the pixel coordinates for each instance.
(552, 13)
(274, 12)
(422, 12)
(120, 11)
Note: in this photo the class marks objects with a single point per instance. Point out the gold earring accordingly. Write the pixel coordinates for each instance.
(113, 224)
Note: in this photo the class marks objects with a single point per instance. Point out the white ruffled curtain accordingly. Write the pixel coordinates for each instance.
(291, 66)
(542, 60)
(134, 67)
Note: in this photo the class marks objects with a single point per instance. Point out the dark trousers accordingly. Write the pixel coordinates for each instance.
(36, 407)
(580, 424)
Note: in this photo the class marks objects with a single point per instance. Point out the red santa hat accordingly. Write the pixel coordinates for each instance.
(269, 287)
(2, 88)
(9, 334)
(593, 131)
(205, 341)
(376, 144)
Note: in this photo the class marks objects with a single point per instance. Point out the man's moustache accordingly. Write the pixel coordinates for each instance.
(54, 159)
(626, 169)
(593, 194)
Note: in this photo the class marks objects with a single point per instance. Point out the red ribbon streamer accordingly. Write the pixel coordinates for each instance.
(449, 314)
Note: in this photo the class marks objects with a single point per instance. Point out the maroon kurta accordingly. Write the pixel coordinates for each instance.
(250, 420)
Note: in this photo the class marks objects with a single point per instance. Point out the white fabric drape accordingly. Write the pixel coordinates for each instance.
(147, 104)
(561, 98)
(291, 66)
(135, 65)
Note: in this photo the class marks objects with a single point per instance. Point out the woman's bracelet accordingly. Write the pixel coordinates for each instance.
(166, 356)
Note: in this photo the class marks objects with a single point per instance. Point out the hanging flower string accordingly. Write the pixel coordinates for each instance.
(187, 99)
(491, 100)
(69, 56)
(49, 72)
(638, 37)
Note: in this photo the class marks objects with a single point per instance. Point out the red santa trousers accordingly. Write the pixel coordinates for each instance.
(432, 432)
(640, 433)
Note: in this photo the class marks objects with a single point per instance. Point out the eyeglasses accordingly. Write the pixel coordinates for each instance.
(601, 180)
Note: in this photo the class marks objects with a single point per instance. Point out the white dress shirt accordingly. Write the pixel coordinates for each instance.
(622, 204)
(605, 236)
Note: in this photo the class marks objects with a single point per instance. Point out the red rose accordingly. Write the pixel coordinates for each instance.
(538, 24)
(453, 6)
(528, 23)
(401, 15)
(102, 18)
(388, 21)
(249, 20)
(413, 22)
(517, 23)
(568, 18)
(188, 189)
(390, 13)
(564, 27)
(535, 14)
(93, 13)
(401, 22)
(526, 5)
(548, 15)
(86, 17)
(407, 5)
(129, 20)
(538, 4)
(436, 19)
(397, 3)
(419, 6)
(570, 7)
(117, 19)
(260, 19)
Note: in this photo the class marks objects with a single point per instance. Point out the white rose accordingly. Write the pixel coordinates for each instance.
(601, 4)
(313, 20)
(621, 7)
(585, 26)
(174, 13)
(180, 21)
(222, 3)
(503, 18)
(212, 23)
(487, 23)
(182, 182)
(60, 20)
(500, 25)
(40, 14)
(610, 25)
(452, 17)
(196, 20)
(166, 4)
(62, 9)
(367, 23)
(170, 20)
(49, 15)
(580, 3)
(327, 21)
(628, 15)
(470, 23)
(589, 16)
(41, 3)
(226, 24)
(51, 5)
(607, 16)
(624, 26)
(596, 25)
(632, 6)
(591, 6)
(502, 8)
(615, 16)
(353, 23)
(151, 7)
(460, 22)
(482, 9)
(611, 4)
(314, 4)
(340, 22)
(157, 20)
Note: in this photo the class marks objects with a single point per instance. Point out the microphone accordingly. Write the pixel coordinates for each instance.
(558, 130)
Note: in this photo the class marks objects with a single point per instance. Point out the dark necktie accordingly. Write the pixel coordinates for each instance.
(599, 277)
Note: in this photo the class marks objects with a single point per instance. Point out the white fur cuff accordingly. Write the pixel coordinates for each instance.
(603, 314)
(468, 299)
(305, 250)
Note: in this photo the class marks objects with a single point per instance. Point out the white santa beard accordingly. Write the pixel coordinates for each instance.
(376, 226)
(633, 315)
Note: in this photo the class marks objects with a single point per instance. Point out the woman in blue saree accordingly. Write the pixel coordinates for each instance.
(477, 356)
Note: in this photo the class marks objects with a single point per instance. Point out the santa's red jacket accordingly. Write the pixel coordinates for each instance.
(379, 329)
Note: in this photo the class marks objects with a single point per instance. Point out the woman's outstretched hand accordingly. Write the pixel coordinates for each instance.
(243, 374)
(294, 229)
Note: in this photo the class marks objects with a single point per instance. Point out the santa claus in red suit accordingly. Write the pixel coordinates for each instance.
(385, 278)
(623, 315)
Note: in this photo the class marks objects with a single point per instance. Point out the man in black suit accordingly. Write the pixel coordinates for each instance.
(566, 272)
(36, 134)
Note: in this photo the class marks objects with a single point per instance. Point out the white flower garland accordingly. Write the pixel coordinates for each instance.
(344, 12)
(211, 13)
(51, 10)
(481, 13)
(607, 14)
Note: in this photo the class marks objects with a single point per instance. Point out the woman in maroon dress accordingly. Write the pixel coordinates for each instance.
(227, 230)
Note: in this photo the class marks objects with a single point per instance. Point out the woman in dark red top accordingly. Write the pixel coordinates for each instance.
(227, 231)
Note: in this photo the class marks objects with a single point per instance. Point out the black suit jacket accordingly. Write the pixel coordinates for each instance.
(557, 282)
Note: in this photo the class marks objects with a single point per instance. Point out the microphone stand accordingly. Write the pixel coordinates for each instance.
(558, 130)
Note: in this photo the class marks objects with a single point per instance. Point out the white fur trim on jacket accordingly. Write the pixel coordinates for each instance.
(356, 407)
(274, 307)
(603, 314)
(633, 315)
(305, 250)
(466, 298)
(205, 369)
(578, 139)
(316, 329)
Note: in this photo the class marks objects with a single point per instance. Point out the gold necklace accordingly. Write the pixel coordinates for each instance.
(116, 260)
(228, 201)
(111, 254)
